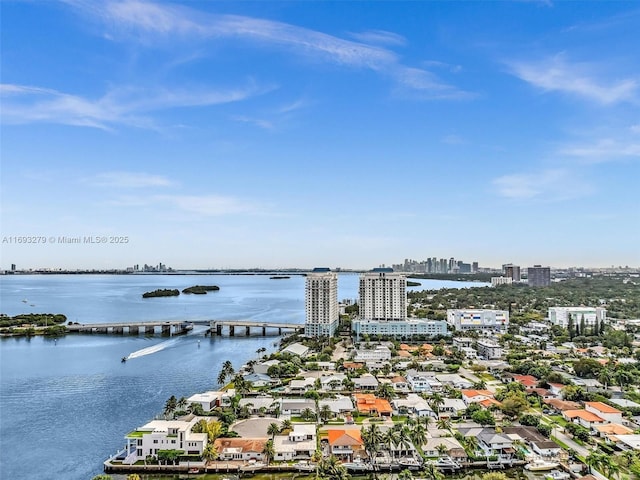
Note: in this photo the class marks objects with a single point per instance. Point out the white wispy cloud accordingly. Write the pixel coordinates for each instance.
(604, 150)
(453, 139)
(258, 122)
(208, 205)
(129, 180)
(577, 78)
(147, 20)
(122, 106)
(546, 185)
(379, 37)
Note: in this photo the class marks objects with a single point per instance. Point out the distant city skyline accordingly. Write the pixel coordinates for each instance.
(302, 134)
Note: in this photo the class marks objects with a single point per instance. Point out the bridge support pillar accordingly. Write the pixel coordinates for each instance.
(279, 331)
(247, 331)
(264, 331)
(232, 332)
(101, 330)
(133, 330)
(166, 330)
(219, 330)
(118, 330)
(149, 330)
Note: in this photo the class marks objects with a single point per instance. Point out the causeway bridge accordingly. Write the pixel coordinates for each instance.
(178, 327)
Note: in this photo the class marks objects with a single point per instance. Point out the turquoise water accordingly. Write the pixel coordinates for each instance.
(66, 405)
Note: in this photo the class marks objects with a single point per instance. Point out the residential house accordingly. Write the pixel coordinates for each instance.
(345, 444)
(452, 408)
(400, 384)
(259, 404)
(539, 443)
(420, 382)
(207, 400)
(583, 417)
(494, 444)
(607, 412)
(365, 382)
(263, 367)
(333, 382)
(163, 435)
(338, 405)
(561, 405)
(454, 380)
(475, 396)
(377, 354)
(628, 442)
(529, 382)
(300, 444)
(295, 406)
(300, 387)
(414, 404)
(454, 449)
(297, 349)
(369, 404)
(242, 449)
(610, 431)
(260, 380)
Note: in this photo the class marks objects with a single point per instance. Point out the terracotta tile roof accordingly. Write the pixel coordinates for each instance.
(614, 429)
(367, 402)
(345, 437)
(474, 393)
(488, 402)
(602, 407)
(403, 353)
(526, 380)
(583, 414)
(246, 444)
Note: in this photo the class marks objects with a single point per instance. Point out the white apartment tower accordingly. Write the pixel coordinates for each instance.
(321, 303)
(383, 295)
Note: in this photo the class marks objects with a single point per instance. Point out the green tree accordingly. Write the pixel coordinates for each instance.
(386, 391)
(442, 450)
(494, 476)
(268, 451)
(170, 405)
(102, 476)
(273, 430)
(331, 468)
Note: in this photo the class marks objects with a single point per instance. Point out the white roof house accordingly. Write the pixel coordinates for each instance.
(340, 404)
(297, 349)
(164, 435)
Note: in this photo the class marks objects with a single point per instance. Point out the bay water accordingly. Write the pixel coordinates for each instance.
(66, 403)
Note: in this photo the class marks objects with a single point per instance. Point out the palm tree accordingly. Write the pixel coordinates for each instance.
(331, 468)
(209, 453)
(182, 403)
(286, 425)
(444, 424)
(442, 450)
(405, 475)
(404, 440)
(390, 438)
(325, 413)
(170, 405)
(371, 439)
(273, 430)
(268, 451)
(472, 444)
(386, 391)
(435, 402)
(419, 436)
(594, 460)
(274, 408)
(431, 472)
(307, 414)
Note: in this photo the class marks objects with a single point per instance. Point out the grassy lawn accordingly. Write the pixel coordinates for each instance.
(136, 434)
(559, 420)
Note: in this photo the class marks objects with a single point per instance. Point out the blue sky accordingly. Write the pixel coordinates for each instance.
(342, 134)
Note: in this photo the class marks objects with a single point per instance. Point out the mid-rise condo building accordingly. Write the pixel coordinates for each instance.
(538, 276)
(383, 295)
(478, 319)
(562, 316)
(321, 303)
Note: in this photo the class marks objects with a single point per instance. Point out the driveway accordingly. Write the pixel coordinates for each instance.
(254, 427)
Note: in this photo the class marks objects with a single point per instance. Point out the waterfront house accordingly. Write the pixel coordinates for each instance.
(207, 400)
(299, 444)
(263, 367)
(164, 435)
(240, 449)
(628, 442)
(494, 444)
(400, 384)
(454, 449)
(345, 444)
(537, 442)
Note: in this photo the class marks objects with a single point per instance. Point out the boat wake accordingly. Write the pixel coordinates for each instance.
(153, 349)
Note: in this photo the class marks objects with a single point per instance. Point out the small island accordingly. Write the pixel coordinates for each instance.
(413, 284)
(201, 289)
(279, 277)
(162, 292)
(30, 324)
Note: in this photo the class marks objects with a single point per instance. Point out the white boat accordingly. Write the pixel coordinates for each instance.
(447, 463)
(410, 463)
(539, 465)
(357, 466)
(304, 466)
(557, 475)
